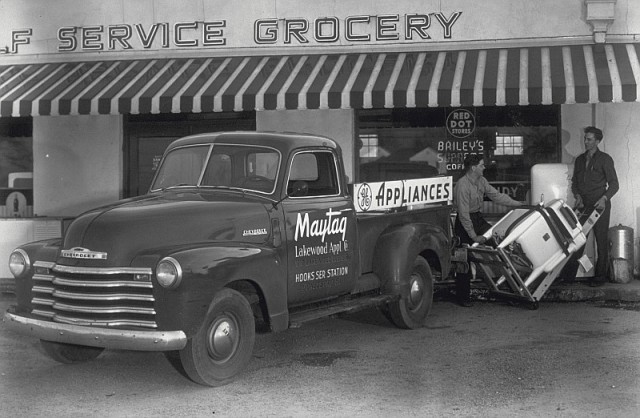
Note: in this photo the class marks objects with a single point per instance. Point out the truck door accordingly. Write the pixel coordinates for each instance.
(321, 230)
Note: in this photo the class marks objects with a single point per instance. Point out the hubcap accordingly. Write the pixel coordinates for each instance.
(416, 292)
(223, 338)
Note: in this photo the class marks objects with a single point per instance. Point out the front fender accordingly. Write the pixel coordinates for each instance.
(398, 247)
(47, 251)
(206, 270)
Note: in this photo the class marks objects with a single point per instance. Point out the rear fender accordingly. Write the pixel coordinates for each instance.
(206, 270)
(398, 247)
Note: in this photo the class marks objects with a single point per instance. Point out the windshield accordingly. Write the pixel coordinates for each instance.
(246, 167)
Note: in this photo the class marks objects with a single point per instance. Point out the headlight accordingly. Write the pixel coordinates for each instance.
(19, 263)
(169, 273)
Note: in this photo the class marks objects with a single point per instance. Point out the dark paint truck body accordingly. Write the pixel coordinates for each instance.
(290, 250)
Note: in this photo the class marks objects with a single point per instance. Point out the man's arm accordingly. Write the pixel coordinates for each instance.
(577, 174)
(612, 182)
(612, 178)
(496, 196)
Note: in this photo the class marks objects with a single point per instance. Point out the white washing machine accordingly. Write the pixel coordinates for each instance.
(553, 181)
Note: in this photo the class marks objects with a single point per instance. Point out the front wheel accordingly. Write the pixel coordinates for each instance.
(411, 312)
(70, 353)
(223, 345)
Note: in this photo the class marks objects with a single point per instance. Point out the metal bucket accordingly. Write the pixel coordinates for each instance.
(621, 254)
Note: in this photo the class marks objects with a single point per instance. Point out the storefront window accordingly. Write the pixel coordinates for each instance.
(509, 144)
(411, 143)
(16, 168)
(370, 149)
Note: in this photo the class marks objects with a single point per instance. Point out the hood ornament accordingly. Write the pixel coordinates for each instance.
(83, 253)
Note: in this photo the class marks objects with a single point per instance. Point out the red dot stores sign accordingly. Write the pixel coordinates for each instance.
(461, 140)
(461, 123)
(412, 27)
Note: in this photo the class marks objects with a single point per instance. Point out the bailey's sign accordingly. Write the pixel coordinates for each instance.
(327, 30)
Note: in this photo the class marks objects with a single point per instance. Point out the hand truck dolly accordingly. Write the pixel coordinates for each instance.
(527, 249)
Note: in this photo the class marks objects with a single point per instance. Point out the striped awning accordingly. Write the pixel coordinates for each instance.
(485, 77)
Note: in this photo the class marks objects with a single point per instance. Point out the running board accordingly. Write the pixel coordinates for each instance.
(337, 307)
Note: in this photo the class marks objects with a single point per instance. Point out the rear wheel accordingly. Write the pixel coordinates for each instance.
(224, 343)
(411, 312)
(70, 353)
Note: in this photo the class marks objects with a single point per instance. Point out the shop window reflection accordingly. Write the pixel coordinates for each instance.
(411, 143)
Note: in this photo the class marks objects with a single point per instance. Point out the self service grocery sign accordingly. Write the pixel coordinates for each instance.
(402, 193)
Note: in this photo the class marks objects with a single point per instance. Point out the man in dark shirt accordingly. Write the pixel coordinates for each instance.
(593, 184)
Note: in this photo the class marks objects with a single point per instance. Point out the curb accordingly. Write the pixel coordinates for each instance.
(627, 292)
(576, 292)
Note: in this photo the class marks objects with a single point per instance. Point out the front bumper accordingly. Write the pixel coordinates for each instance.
(96, 337)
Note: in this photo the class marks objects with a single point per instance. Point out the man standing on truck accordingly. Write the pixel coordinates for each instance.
(468, 195)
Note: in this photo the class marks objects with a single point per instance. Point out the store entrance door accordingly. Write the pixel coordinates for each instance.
(150, 150)
(147, 136)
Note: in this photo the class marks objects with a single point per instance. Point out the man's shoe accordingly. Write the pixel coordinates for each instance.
(466, 303)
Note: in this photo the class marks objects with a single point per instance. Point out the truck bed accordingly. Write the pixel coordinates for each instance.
(372, 224)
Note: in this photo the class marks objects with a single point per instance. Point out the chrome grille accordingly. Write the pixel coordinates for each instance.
(109, 297)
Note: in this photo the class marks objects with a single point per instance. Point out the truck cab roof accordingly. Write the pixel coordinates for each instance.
(282, 141)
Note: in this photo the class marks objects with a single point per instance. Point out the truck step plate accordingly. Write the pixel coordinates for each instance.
(342, 306)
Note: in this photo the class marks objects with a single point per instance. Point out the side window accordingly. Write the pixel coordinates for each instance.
(316, 171)
(263, 164)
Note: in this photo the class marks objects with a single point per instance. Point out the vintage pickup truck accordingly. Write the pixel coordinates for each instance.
(241, 232)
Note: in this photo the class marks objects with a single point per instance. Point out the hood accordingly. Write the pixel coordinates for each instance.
(168, 220)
